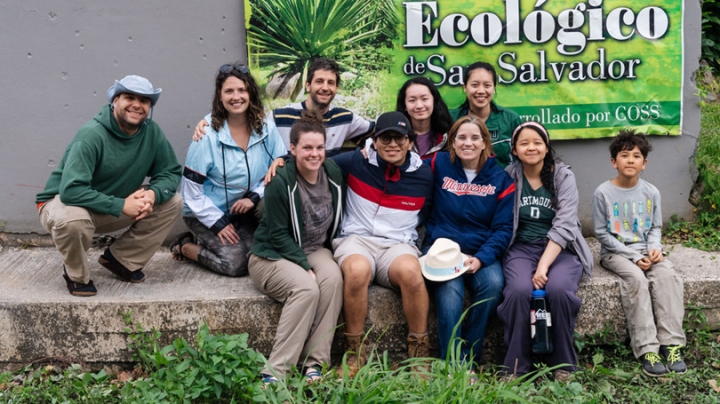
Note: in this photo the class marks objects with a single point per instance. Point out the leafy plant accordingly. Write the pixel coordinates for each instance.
(144, 343)
(711, 33)
(289, 34)
(708, 154)
(217, 368)
(703, 233)
(51, 384)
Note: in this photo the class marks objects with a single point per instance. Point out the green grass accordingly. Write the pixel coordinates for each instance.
(214, 369)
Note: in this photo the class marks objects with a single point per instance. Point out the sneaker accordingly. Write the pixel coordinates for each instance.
(507, 378)
(562, 376)
(77, 288)
(652, 364)
(673, 357)
(111, 264)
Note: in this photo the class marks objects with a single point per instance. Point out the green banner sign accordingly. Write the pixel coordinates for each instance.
(582, 68)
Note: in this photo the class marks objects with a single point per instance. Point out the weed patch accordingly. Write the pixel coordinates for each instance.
(217, 368)
(222, 369)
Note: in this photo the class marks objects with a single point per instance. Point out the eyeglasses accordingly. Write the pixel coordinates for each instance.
(227, 69)
(387, 139)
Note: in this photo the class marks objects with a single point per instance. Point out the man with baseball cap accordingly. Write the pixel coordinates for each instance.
(98, 188)
(386, 194)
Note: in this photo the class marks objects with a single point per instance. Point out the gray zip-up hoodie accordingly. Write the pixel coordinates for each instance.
(566, 230)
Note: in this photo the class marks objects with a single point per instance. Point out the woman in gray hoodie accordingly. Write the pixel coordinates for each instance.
(547, 251)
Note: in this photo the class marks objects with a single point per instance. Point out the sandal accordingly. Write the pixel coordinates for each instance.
(77, 288)
(268, 380)
(177, 245)
(312, 374)
(473, 377)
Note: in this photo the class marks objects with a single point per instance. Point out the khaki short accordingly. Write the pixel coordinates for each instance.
(378, 251)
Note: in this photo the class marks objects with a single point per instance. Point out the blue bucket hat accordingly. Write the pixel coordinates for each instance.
(135, 85)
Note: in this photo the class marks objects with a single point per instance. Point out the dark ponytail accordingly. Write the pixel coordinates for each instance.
(547, 175)
(310, 121)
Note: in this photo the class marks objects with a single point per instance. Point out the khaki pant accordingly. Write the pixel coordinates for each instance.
(308, 320)
(72, 228)
(657, 291)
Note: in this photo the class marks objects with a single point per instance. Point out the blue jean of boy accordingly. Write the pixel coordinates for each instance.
(485, 286)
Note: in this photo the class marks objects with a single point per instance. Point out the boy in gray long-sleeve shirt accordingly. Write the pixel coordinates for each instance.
(627, 221)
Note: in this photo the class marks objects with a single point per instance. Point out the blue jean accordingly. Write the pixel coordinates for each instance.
(485, 284)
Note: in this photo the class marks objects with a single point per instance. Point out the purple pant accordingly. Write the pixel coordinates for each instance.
(563, 279)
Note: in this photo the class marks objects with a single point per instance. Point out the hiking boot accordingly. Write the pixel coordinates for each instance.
(355, 355)
(111, 264)
(673, 358)
(419, 347)
(652, 364)
(77, 288)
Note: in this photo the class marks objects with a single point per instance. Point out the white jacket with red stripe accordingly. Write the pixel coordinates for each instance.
(383, 200)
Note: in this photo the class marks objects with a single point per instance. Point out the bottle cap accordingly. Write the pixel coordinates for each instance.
(538, 293)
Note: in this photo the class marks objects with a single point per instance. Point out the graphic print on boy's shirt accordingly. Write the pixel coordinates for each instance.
(630, 225)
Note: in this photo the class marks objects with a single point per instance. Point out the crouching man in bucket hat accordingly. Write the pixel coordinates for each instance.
(97, 188)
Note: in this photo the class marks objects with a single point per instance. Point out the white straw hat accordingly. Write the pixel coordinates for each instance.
(444, 261)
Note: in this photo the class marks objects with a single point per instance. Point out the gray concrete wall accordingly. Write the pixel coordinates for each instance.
(59, 58)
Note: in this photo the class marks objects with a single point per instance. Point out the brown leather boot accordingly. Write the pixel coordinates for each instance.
(419, 347)
(355, 353)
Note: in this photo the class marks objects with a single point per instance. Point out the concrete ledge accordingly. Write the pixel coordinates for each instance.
(39, 318)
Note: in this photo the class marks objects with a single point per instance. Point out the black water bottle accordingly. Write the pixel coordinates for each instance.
(540, 324)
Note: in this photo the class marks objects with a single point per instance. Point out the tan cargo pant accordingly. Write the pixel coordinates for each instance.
(652, 301)
(308, 320)
(72, 228)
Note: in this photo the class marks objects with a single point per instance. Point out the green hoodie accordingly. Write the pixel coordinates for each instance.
(277, 235)
(103, 165)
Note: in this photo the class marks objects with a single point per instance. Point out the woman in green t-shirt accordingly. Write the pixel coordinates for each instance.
(480, 84)
(547, 251)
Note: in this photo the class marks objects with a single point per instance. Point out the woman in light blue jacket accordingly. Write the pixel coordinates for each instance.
(223, 177)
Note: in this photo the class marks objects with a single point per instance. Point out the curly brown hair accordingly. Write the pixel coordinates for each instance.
(255, 111)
